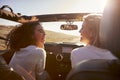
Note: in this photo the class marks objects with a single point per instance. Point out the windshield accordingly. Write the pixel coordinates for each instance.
(41, 7)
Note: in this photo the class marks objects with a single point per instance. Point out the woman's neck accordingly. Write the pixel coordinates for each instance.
(40, 45)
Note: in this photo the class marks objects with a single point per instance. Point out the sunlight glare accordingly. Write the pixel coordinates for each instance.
(87, 6)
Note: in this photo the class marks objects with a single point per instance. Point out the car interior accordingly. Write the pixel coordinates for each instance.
(58, 63)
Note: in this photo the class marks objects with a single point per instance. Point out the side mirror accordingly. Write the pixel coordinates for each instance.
(68, 27)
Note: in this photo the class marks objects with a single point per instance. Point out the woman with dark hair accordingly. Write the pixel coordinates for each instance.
(27, 40)
(26, 34)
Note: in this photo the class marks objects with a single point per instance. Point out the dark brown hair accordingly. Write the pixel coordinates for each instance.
(22, 36)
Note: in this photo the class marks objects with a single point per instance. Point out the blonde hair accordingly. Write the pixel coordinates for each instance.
(94, 21)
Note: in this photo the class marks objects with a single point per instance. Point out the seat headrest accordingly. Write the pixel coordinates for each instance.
(110, 27)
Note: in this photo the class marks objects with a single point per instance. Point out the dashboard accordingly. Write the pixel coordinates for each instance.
(61, 47)
(58, 62)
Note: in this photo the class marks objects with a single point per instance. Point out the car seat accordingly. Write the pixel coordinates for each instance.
(6, 73)
(110, 28)
(96, 69)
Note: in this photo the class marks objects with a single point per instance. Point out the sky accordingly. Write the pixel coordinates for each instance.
(40, 7)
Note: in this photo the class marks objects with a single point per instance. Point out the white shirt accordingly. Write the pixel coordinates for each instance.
(89, 52)
(30, 60)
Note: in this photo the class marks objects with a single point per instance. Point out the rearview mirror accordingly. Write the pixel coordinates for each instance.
(68, 27)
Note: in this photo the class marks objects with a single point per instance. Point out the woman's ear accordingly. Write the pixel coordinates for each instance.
(91, 34)
(32, 37)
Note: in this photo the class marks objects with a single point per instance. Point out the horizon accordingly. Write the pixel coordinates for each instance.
(53, 7)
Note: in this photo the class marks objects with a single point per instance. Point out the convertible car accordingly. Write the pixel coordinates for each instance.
(58, 52)
(58, 49)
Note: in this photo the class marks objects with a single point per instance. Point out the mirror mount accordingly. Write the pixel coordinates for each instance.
(69, 26)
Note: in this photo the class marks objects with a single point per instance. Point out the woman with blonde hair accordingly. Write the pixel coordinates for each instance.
(90, 36)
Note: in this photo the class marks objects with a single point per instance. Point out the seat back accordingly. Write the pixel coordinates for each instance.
(96, 69)
(6, 73)
(110, 27)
